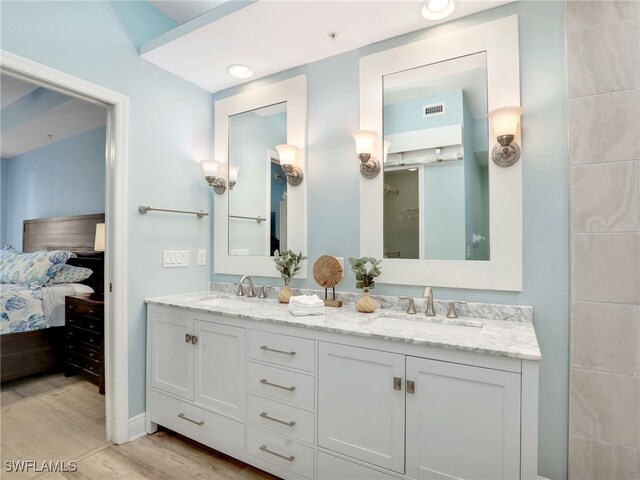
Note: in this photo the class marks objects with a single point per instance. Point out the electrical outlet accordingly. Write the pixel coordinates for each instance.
(202, 256)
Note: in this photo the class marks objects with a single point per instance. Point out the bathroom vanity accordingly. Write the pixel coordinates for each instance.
(347, 395)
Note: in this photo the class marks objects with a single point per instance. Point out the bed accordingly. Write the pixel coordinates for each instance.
(32, 323)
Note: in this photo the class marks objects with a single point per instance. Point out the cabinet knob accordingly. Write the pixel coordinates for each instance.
(411, 387)
(397, 383)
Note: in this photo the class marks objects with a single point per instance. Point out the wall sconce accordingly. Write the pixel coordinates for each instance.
(210, 170)
(287, 162)
(365, 141)
(505, 122)
(233, 176)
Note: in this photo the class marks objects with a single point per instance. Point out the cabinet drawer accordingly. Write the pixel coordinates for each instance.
(75, 335)
(88, 323)
(201, 425)
(281, 451)
(80, 310)
(296, 388)
(284, 350)
(281, 418)
(334, 468)
(91, 353)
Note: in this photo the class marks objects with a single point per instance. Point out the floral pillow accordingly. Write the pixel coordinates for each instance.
(32, 269)
(70, 274)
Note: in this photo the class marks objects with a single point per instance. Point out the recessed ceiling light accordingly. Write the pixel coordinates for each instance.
(437, 9)
(240, 71)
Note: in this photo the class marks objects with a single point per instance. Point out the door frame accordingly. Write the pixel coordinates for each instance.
(116, 319)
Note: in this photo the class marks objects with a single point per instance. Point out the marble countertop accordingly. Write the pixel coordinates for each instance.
(500, 337)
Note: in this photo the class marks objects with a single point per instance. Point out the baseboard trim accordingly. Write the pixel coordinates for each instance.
(137, 426)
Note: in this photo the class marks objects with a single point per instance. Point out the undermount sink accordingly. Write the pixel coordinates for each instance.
(456, 330)
(224, 303)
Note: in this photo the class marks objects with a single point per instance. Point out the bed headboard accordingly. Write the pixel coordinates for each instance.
(76, 234)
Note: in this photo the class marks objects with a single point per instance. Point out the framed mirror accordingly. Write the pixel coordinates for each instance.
(260, 212)
(440, 212)
(436, 175)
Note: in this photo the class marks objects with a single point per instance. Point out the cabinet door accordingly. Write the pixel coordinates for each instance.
(360, 406)
(462, 422)
(220, 368)
(171, 354)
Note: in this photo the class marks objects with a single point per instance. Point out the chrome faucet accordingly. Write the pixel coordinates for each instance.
(240, 292)
(428, 293)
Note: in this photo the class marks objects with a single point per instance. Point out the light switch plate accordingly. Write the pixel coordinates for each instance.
(175, 258)
(341, 260)
(202, 256)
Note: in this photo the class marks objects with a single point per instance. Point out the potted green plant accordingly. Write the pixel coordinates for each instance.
(366, 269)
(288, 264)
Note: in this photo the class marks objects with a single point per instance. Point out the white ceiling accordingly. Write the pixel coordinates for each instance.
(63, 121)
(274, 35)
(184, 10)
(12, 89)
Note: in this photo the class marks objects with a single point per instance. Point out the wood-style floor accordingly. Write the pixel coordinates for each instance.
(50, 418)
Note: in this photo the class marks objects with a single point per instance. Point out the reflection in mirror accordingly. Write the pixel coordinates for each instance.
(258, 199)
(436, 181)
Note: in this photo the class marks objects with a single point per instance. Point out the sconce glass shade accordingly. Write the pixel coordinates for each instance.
(287, 154)
(99, 243)
(387, 144)
(210, 168)
(505, 120)
(365, 141)
(233, 173)
(294, 174)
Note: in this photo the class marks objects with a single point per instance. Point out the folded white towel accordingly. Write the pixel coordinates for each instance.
(305, 301)
(306, 305)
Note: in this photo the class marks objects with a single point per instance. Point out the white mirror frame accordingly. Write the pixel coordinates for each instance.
(499, 39)
(294, 92)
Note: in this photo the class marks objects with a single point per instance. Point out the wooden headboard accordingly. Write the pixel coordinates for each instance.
(76, 234)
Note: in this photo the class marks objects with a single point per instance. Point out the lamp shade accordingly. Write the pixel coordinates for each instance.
(365, 141)
(210, 168)
(99, 242)
(287, 154)
(233, 173)
(505, 120)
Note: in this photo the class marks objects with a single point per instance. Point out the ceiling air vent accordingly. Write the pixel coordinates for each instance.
(434, 109)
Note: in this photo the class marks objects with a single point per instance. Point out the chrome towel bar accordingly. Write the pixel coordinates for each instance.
(146, 208)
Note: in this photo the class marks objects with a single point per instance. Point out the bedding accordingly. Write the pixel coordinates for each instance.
(70, 274)
(31, 269)
(24, 309)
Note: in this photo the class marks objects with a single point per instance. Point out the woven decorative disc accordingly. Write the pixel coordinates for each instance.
(327, 271)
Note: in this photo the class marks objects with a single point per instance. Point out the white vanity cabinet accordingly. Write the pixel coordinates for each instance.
(310, 404)
(197, 378)
(459, 421)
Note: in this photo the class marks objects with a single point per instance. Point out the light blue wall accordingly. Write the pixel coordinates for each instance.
(333, 116)
(65, 178)
(29, 106)
(170, 126)
(407, 116)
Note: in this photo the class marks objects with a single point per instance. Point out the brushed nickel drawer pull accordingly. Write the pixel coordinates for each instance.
(411, 387)
(397, 383)
(264, 381)
(288, 424)
(290, 458)
(182, 416)
(267, 349)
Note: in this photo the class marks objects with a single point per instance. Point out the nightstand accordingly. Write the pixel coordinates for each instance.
(84, 338)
